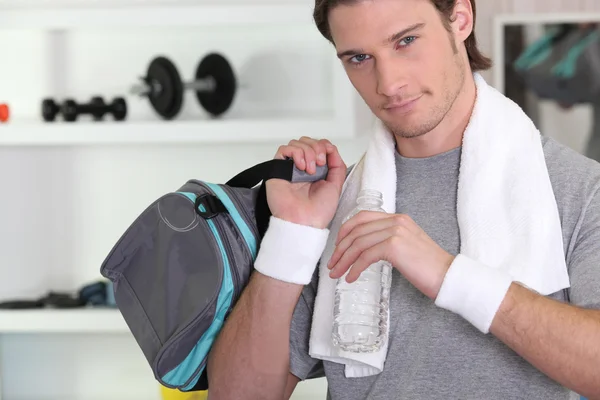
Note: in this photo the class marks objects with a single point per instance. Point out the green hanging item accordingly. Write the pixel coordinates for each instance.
(560, 65)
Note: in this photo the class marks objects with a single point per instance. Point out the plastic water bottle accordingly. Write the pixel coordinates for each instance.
(361, 308)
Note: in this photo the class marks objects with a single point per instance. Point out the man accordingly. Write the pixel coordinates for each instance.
(412, 61)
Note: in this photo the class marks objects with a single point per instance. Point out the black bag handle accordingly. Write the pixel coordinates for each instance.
(272, 169)
(278, 169)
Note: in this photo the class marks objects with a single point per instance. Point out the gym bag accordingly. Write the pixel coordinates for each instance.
(181, 266)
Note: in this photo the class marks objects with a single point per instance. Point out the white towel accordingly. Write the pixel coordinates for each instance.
(507, 214)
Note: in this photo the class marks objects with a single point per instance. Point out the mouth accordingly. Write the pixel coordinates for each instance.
(403, 106)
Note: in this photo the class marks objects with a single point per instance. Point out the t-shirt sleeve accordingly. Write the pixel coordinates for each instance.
(584, 264)
(302, 364)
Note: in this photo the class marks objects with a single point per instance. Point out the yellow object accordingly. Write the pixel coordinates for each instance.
(174, 394)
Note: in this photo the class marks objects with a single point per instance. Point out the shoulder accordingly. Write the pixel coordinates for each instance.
(575, 180)
(574, 176)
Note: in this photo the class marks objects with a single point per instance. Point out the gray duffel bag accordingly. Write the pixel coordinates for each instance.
(181, 266)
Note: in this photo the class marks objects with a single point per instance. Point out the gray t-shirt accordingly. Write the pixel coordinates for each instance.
(433, 353)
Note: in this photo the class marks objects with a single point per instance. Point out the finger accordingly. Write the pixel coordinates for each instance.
(362, 230)
(319, 147)
(323, 144)
(336, 167)
(360, 245)
(366, 259)
(364, 217)
(310, 157)
(295, 153)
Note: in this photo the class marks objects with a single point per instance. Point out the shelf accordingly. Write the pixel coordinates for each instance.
(154, 16)
(62, 321)
(167, 132)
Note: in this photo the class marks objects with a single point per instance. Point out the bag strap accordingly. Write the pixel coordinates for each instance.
(279, 169)
(272, 169)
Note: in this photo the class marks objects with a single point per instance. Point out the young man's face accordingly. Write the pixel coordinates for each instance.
(408, 79)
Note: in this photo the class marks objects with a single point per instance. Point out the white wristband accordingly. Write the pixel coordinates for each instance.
(474, 291)
(290, 252)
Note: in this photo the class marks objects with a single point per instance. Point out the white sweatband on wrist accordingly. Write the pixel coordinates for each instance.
(290, 252)
(474, 291)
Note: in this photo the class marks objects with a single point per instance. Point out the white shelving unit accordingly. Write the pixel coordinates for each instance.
(54, 321)
(62, 321)
(58, 63)
(337, 122)
(162, 132)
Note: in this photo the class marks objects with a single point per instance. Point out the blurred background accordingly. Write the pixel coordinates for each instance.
(72, 184)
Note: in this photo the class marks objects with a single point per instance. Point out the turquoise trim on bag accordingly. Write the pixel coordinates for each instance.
(180, 375)
(190, 196)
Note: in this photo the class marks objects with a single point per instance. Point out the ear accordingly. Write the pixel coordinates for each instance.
(462, 20)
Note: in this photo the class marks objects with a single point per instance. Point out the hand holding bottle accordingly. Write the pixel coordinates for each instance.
(372, 236)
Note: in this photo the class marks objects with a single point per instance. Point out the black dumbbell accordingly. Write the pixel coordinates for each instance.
(49, 110)
(215, 86)
(96, 107)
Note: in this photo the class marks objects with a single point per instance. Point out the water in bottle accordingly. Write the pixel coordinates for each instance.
(361, 308)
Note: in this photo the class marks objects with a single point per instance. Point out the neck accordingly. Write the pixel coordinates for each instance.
(449, 133)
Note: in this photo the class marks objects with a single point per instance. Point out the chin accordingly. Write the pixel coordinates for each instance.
(409, 133)
(408, 129)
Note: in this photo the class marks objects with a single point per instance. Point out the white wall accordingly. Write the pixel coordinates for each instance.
(571, 127)
(63, 207)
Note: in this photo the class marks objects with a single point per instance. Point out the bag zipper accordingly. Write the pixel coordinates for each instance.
(227, 245)
(249, 220)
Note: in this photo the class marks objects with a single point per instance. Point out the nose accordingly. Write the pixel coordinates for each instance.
(391, 78)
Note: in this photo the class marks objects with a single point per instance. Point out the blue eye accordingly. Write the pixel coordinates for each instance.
(407, 40)
(358, 59)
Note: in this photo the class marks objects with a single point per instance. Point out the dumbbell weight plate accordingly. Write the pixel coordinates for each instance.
(98, 106)
(119, 106)
(69, 110)
(216, 66)
(49, 110)
(167, 103)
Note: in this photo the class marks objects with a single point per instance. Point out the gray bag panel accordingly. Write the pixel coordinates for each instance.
(137, 320)
(168, 271)
(156, 284)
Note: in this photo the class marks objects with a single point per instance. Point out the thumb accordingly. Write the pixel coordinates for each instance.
(337, 167)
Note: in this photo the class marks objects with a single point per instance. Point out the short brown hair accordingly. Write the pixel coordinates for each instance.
(477, 60)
